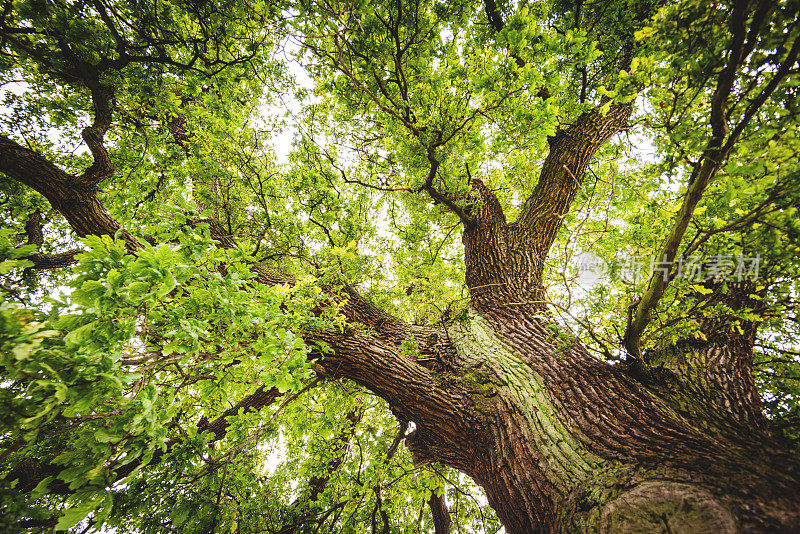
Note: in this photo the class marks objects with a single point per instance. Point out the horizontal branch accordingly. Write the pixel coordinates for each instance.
(54, 261)
(76, 200)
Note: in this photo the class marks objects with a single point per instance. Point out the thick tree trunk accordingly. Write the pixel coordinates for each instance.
(563, 442)
(573, 444)
(560, 440)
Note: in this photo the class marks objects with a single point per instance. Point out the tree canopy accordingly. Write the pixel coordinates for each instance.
(205, 327)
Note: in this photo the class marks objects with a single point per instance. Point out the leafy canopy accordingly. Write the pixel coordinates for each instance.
(118, 370)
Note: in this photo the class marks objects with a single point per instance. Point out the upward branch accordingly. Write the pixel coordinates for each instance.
(562, 174)
(718, 148)
(102, 167)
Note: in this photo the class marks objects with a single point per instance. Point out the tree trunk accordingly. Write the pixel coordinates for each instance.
(562, 441)
(570, 443)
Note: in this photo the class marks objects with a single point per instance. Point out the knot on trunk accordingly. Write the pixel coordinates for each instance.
(421, 449)
(666, 507)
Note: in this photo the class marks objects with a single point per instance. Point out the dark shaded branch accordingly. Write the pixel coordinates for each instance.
(33, 228)
(102, 167)
(493, 15)
(437, 196)
(76, 200)
(714, 156)
(719, 102)
(440, 513)
(54, 261)
(495, 18)
(260, 398)
(780, 74)
(378, 508)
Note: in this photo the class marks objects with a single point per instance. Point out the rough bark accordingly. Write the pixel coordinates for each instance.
(558, 439)
(440, 513)
(75, 197)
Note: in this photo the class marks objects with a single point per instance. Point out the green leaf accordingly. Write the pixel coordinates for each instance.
(103, 437)
(74, 515)
(702, 289)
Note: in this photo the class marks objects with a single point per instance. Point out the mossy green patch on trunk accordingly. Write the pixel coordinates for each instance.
(518, 396)
(491, 365)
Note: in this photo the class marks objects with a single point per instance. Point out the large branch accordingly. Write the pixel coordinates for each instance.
(571, 151)
(708, 376)
(718, 148)
(414, 393)
(405, 381)
(87, 215)
(70, 195)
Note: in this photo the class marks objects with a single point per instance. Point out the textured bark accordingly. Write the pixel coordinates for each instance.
(440, 514)
(75, 197)
(559, 440)
(570, 434)
(716, 367)
(54, 261)
(514, 270)
(571, 150)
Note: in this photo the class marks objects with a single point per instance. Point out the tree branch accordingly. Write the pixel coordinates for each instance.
(54, 261)
(571, 151)
(493, 15)
(440, 513)
(76, 200)
(714, 156)
(102, 167)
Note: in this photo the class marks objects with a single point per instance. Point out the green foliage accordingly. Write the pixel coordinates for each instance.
(113, 368)
(142, 345)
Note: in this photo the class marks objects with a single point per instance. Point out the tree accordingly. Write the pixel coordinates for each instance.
(162, 335)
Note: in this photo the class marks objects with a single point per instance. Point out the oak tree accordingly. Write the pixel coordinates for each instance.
(527, 265)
